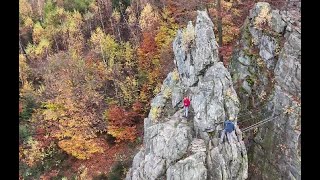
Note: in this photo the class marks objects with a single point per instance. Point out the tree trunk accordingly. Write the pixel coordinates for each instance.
(99, 9)
(128, 25)
(39, 11)
(103, 58)
(106, 4)
(219, 22)
(55, 41)
(90, 26)
(23, 50)
(119, 32)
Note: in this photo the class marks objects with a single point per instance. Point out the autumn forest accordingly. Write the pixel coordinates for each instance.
(87, 72)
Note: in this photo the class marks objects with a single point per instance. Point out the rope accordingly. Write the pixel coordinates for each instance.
(248, 119)
(283, 131)
(258, 124)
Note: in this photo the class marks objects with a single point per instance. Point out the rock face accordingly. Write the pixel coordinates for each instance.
(182, 148)
(266, 72)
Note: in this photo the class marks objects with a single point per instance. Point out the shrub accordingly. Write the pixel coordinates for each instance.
(155, 113)
(118, 170)
(29, 105)
(101, 176)
(24, 132)
(188, 36)
(167, 93)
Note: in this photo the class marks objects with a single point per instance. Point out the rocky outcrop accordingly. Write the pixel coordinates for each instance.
(266, 72)
(176, 147)
(193, 166)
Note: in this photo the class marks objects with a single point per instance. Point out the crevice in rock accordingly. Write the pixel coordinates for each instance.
(206, 67)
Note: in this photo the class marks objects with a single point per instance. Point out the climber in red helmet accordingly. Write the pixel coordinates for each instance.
(186, 103)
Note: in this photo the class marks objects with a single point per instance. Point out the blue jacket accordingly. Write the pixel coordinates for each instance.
(228, 126)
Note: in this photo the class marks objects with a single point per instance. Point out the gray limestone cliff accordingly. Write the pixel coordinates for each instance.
(179, 148)
(266, 72)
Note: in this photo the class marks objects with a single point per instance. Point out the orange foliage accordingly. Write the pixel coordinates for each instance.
(123, 134)
(118, 116)
(146, 50)
(155, 56)
(121, 122)
(148, 44)
(137, 107)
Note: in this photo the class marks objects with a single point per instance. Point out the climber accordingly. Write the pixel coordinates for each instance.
(186, 103)
(229, 127)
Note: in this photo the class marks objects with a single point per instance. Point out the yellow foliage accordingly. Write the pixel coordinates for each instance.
(231, 96)
(27, 87)
(278, 49)
(230, 32)
(43, 45)
(41, 89)
(106, 45)
(24, 69)
(167, 93)
(155, 113)
(288, 110)
(60, 11)
(227, 5)
(167, 30)
(143, 97)
(80, 147)
(229, 28)
(123, 133)
(128, 54)
(83, 173)
(37, 33)
(93, 7)
(294, 109)
(110, 48)
(129, 90)
(34, 152)
(148, 17)
(25, 8)
(157, 89)
(20, 153)
(75, 37)
(260, 62)
(262, 95)
(74, 21)
(53, 111)
(38, 51)
(175, 75)
(28, 22)
(264, 16)
(50, 115)
(132, 20)
(116, 16)
(188, 36)
(97, 37)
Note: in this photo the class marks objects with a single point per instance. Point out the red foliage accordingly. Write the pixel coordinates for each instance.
(148, 44)
(118, 116)
(102, 163)
(121, 123)
(226, 52)
(137, 108)
(185, 10)
(91, 58)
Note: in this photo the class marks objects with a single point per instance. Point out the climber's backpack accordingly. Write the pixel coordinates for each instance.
(228, 126)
